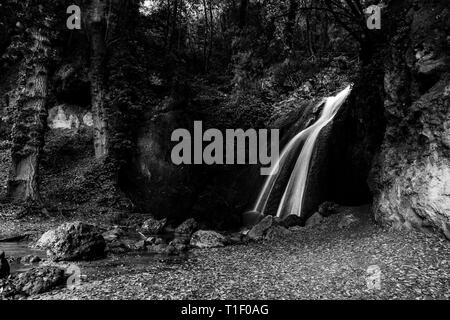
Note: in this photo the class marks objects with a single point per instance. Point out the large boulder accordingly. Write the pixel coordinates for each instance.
(207, 239)
(188, 227)
(33, 281)
(153, 227)
(73, 241)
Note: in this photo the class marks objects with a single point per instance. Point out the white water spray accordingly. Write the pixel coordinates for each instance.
(292, 200)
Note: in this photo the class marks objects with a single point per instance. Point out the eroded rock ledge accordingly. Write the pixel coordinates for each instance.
(411, 175)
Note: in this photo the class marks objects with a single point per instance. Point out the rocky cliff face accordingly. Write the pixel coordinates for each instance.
(410, 178)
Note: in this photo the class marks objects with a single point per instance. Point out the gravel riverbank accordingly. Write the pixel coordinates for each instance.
(322, 262)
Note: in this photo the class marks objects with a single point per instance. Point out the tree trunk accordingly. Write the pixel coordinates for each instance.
(243, 14)
(211, 31)
(174, 34)
(29, 126)
(326, 37)
(309, 36)
(205, 38)
(97, 77)
(179, 31)
(167, 30)
(292, 14)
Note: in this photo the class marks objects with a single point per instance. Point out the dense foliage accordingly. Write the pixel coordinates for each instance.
(228, 63)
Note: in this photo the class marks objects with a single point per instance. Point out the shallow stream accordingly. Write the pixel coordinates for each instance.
(16, 250)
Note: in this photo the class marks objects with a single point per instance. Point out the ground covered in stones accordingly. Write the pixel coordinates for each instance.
(320, 262)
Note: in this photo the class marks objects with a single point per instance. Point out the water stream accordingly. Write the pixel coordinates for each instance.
(292, 199)
(15, 250)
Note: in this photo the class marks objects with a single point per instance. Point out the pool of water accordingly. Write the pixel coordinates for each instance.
(15, 250)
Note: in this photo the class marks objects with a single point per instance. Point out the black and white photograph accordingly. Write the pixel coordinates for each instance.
(222, 156)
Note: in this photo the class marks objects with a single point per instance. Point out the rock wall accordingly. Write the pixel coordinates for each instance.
(215, 195)
(157, 185)
(411, 176)
(69, 117)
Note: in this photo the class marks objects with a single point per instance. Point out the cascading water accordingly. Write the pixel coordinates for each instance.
(292, 199)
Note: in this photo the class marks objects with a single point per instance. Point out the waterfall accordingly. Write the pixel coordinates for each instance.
(292, 200)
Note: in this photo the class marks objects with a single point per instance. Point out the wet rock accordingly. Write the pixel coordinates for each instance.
(30, 259)
(291, 221)
(277, 232)
(259, 231)
(207, 239)
(150, 240)
(113, 234)
(277, 220)
(4, 266)
(140, 245)
(171, 250)
(347, 220)
(314, 220)
(237, 238)
(159, 241)
(327, 209)
(34, 281)
(117, 247)
(152, 226)
(73, 241)
(251, 218)
(187, 227)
